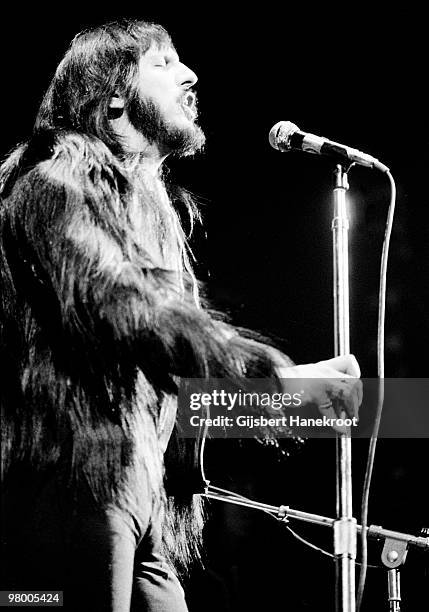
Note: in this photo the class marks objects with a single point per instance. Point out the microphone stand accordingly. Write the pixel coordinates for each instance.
(344, 526)
(345, 531)
(395, 547)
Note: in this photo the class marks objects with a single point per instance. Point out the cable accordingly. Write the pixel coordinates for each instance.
(321, 550)
(203, 445)
(380, 399)
(237, 496)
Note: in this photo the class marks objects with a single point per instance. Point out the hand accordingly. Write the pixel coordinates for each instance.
(334, 386)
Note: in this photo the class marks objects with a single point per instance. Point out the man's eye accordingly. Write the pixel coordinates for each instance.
(162, 62)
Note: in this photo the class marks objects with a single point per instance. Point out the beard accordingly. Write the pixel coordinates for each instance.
(145, 116)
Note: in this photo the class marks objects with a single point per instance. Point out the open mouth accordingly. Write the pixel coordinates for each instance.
(188, 104)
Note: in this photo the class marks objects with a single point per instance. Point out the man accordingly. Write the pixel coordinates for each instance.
(100, 316)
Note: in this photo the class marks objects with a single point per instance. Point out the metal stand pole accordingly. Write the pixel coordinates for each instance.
(345, 527)
(394, 590)
(393, 552)
(395, 543)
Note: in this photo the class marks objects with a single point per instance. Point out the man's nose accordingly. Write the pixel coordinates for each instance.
(187, 77)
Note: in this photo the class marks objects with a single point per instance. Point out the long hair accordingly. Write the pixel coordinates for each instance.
(99, 63)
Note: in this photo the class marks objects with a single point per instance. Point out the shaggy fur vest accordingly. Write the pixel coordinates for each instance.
(95, 329)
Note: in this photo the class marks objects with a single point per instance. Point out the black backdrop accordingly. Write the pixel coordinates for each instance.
(267, 253)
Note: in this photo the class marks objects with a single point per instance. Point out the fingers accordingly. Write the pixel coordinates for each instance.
(359, 388)
(346, 395)
(332, 385)
(330, 413)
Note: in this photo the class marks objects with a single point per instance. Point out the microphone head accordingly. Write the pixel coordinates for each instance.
(280, 134)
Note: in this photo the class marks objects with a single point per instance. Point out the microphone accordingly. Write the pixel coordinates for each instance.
(286, 136)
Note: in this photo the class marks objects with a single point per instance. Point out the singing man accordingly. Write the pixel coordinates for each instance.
(99, 318)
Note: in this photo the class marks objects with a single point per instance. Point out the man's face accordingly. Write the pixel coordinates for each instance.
(163, 106)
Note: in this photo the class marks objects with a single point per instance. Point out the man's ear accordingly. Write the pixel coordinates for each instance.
(116, 106)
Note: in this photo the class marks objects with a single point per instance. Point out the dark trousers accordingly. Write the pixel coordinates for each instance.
(55, 538)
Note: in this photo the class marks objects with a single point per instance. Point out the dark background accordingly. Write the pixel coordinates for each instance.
(358, 78)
